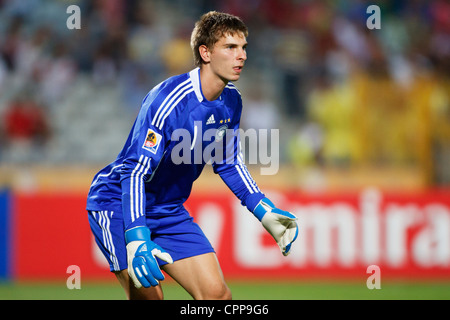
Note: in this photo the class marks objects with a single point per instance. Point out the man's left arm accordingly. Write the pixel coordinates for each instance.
(280, 224)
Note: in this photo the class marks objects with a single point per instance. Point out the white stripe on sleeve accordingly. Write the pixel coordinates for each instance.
(137, 192)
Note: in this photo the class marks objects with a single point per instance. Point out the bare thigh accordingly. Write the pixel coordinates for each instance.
(200, 276)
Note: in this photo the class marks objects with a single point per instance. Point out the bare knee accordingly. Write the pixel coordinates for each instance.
(215, 292)
(226, 294)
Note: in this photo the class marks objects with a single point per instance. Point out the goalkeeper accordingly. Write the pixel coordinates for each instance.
(135, 204)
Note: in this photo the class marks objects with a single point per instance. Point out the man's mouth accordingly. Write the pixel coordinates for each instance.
(238, 69)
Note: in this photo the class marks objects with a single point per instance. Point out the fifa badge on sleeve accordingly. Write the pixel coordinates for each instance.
(152, 141)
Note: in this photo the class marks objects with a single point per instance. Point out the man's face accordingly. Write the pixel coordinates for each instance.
(228, 56)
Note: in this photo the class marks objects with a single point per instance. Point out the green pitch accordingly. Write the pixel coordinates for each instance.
(267, 290)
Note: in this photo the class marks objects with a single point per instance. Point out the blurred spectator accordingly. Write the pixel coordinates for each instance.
(176, 54)
(26, 130)
(25, 120)
(3, 74)
(32, 53)
(104, 68)
(146, 37)
(292, 50)
(56, 74)
(11, 42)
(259, 111)
(332, 106)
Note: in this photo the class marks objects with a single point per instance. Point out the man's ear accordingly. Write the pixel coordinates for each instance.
(204, 53)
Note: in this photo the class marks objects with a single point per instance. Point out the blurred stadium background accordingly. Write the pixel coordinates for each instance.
(364, 120)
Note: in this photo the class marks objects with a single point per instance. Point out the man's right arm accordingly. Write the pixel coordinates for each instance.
(140, 160)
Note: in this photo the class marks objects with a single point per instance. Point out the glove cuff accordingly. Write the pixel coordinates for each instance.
(262, 207)
(137, 234)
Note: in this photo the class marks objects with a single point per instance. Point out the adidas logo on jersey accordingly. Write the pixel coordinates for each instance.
(211, 120)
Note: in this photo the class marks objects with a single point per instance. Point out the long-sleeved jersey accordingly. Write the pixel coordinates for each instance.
(176, 132)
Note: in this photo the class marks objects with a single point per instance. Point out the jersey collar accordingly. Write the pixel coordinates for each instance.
(195, 78)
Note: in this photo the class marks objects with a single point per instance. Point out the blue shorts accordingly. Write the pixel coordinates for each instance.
(177, 233)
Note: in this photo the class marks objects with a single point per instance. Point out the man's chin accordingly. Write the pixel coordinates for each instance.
(232, 78)
(235, 77)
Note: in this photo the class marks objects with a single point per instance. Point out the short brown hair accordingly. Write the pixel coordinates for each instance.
(210, 28)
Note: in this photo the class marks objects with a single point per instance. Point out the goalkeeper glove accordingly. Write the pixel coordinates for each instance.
(143, 268)
(281, 224)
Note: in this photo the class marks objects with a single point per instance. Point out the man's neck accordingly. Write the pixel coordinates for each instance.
(212, 85)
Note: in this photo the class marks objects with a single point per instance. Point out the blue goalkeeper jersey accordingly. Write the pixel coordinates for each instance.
(176, 132)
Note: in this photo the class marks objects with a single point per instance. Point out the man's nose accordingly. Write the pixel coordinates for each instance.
(242, 54)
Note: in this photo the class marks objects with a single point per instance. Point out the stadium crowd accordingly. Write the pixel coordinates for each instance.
(344, 94)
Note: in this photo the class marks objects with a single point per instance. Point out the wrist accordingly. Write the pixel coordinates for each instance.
(139, 233)
(263, 206)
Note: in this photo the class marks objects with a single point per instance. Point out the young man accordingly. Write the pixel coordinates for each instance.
(135, 204)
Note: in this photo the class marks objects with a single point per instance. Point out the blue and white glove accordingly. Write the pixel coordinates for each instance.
(281, 224)
(143, 268)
